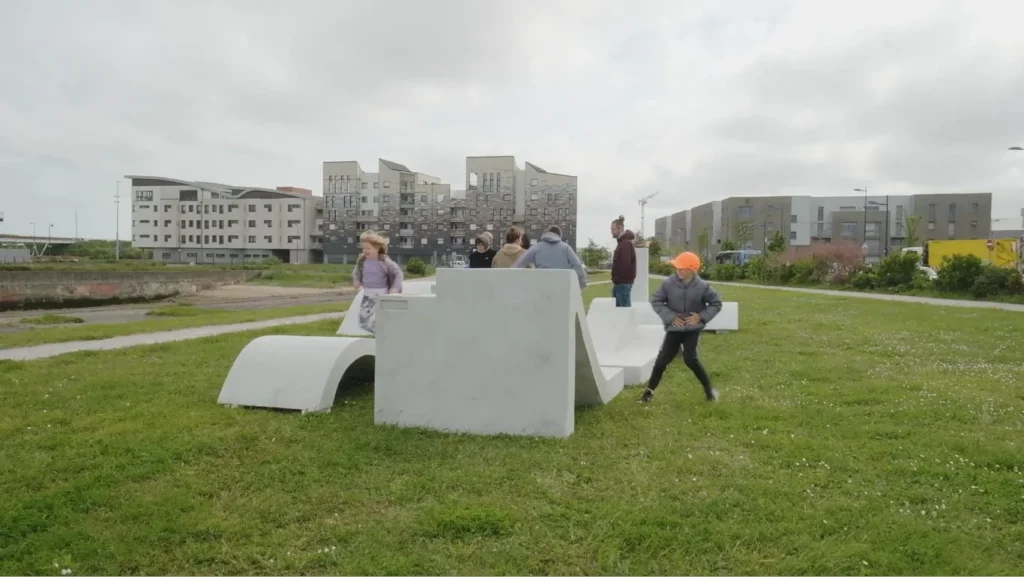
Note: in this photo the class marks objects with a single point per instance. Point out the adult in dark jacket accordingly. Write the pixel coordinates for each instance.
(623, 263)
(483, 254)
(686, 303)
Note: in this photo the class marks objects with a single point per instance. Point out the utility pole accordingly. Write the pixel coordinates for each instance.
(117, 222)
(643, 204)
(49, 237)
(76, 234)
(34, 249)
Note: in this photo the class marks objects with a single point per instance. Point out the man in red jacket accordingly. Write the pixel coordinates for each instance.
(623, 263)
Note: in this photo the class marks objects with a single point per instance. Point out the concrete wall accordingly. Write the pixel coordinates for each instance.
(41, 288)
(15, 255)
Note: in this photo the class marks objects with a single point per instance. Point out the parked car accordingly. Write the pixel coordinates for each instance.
(929, 272)
(458, 262)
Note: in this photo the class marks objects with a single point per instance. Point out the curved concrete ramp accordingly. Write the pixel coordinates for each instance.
(296, 372)
(350, 324)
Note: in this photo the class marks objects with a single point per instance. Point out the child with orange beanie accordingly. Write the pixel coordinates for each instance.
(686, 303)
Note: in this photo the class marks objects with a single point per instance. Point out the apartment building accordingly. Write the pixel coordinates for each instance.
(880, 224)
(426, 218)
(204, 222)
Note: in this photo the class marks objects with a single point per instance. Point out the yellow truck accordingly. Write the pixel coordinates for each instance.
(1005, 251)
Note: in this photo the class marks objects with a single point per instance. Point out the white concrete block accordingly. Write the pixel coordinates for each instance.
(296, 372)
(641, 292)
(619, 341)
(728, 319)
(350, 324)
(493, 351)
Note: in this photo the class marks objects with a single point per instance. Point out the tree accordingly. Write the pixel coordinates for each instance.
(744, 232)
(594, 254)
(729, 244)
(777, 243)
(704, 242)
(653, 249)
(912, 237)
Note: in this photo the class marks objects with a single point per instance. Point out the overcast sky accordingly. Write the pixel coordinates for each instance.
(698, 100)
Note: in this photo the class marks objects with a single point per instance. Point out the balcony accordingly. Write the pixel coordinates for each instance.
(406, 245)
(407, 201)
(373, 218)
(406, 232)
(457, 217)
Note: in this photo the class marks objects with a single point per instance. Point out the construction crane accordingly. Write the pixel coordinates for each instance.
(643, 204)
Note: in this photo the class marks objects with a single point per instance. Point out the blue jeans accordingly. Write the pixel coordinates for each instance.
(623, 295)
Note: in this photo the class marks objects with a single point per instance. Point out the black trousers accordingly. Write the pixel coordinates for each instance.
(688, 340)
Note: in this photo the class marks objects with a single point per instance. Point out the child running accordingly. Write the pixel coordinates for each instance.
(375, 274)
(686, 303)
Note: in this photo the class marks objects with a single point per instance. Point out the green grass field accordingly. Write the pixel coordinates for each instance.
(170, 318)
(853, 437)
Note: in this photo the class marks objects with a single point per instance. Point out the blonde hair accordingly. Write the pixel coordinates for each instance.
(376, 241)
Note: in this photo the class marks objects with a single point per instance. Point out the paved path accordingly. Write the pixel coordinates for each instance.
(885, 297)
(50, 350)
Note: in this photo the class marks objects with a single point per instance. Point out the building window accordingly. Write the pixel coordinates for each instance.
(792, 218)
(951, 229)
(440, 241)
(931, 225)
(952, 212)
(506, 197)
(376, 185)
(252, 238)
(144, 195)
(821, 213)
(974, 226)
(268, 238)
(871, 229)
(849, 229)
(424, 241)
(252, 208)
(269, 207)
(387, 184)
(931, 212)
(423, 226)
(792, 235)
(533, 182)
(745, 212)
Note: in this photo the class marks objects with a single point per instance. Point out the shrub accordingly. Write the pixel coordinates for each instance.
(831, 263)
(660, 268)
(416, 266)
(864, 280)
(996, 281)
(958, 273)
(727, 272)
(897, 270)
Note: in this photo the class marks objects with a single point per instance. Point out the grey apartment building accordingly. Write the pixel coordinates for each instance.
(425, 218)
(880, 223)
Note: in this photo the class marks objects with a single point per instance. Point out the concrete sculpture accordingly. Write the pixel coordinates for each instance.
(629, 338)
(296, 372)
(350, 324)
(641, 292)
(498, 351)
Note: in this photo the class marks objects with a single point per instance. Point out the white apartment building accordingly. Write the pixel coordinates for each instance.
(204, 222)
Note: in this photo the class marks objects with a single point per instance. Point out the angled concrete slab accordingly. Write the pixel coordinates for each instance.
(350, 324)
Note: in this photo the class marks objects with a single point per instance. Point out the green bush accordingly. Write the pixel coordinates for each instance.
(728, 272)
(416, 266)
(958, 273)
(996, 281)
(660, 268)
(897, 270)
(804, 271)
(864, 280)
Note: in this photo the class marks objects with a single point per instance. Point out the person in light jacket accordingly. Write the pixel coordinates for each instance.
(511, 251)
(686, 303)
(553, 253)
(375, 274)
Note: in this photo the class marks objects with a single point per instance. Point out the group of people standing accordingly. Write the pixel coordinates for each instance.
(685, 302)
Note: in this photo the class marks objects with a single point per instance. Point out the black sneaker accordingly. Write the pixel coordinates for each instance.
(711, 393)
(647, 396)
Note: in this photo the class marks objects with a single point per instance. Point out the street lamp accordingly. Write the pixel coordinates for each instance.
(34, 237)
